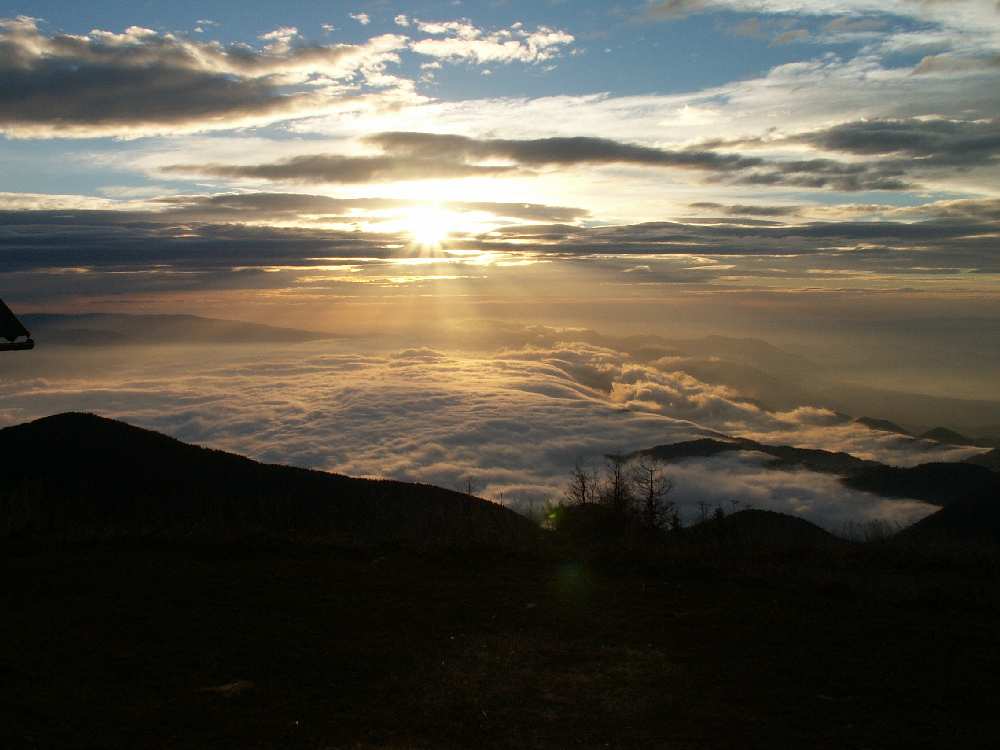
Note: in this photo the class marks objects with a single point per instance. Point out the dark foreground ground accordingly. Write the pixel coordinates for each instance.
(185, 647)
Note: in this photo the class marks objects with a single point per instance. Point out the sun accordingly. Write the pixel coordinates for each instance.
(429, 226)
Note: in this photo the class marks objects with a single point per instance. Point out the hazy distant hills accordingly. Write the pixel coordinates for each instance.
(83, 476)
(950, 437)
(778, 380)
(968, 492)
(111, 329)
(936, 483)
(785, 457)
(941, 435)
(883, 425)
(759, 371)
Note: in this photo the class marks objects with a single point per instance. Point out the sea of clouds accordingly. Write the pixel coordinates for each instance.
(511, 422)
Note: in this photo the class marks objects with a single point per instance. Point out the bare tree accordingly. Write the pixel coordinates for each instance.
(582, 487)
(652, 488)
(617, 491)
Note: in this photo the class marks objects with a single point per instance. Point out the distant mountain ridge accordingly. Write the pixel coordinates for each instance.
(116, 329)
(936, 483)
(78, 475)
(883, 425)
(785, 457)
(973, 519)
(990, 460)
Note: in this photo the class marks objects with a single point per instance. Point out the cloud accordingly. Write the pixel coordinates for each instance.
(334, 168)
(576, 151)
(673, 9)
(199, 241)
(410, 156)
(961, 64)
(462, 41)
(142, 82)
(792, 36)
(363, 18)
(822, 499)
(261, 207)
(511, 421)
(746, 210)
(935, 142)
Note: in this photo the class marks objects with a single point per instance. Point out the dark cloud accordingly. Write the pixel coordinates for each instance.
(257, 207)
(143, 81)
(898, 152)
(412, 156)
(333, 168)
(541, 152)
(934, 142)
(746, 210)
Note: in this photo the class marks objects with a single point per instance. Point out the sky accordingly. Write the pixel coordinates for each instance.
(273, 156)
(822, 175)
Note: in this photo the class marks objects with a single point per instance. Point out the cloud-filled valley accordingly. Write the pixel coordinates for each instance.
(511, 422)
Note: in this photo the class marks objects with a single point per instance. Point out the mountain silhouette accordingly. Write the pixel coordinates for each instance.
(767, 528)
(936, 483)
(975, 518)
(990, 460)
(883, 425)
(83, 476)
(785, 456)
(939, 483)
(117, 329)
(950, 437)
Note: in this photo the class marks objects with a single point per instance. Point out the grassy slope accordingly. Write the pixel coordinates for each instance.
(86, 477)
(113, 646)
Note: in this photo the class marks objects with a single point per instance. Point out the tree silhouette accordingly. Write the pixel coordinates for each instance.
(617, 492)
(652, 488)
(583, 485)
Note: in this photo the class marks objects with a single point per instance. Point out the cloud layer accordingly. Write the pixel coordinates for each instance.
(512, 422)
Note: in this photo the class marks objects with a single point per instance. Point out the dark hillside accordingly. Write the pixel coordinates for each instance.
(972, 519)
(938, 483)
(990, 460)
(83, 476)
(884, 425)
(950, 437)
(764, 528)
(785, 456)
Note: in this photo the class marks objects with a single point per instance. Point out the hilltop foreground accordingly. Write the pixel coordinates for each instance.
(146, 627)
